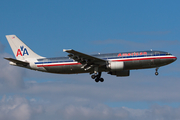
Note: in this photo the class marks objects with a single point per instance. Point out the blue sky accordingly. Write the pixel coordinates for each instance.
(96, 26)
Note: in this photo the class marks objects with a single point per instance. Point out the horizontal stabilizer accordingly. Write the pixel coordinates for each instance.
(18, 62)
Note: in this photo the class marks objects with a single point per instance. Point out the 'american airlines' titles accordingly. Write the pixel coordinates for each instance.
(131, 54)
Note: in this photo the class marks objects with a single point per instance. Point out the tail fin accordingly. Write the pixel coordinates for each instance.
(20, 50)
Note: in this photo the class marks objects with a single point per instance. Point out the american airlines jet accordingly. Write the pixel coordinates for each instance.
(118, 64)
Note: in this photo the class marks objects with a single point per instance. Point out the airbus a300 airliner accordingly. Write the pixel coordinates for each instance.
(118, 64)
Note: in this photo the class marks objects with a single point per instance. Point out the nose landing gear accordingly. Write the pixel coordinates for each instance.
(156, 73)
(97, 77)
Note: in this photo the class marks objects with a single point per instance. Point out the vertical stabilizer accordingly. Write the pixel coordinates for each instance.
(21, 51)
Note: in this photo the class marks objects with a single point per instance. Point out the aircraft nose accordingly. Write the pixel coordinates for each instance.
(174, 58)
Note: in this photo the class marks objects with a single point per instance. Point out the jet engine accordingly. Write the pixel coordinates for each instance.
(116, 68)
(113, 66)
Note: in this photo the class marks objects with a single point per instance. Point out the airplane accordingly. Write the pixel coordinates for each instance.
(118, 64)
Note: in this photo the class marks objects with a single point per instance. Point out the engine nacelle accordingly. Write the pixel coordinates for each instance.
(114, 66)
(122, 73)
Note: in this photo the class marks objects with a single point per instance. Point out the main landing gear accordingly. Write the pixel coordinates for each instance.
(156, 73)
(97, 77)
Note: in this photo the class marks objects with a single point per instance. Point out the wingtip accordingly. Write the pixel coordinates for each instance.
(65, 50)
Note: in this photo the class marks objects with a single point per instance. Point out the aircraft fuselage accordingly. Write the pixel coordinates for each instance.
(130, 60)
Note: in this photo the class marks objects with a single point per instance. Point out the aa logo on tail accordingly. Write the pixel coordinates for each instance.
(22, 51)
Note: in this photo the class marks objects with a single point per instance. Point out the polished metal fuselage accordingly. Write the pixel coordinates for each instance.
(131, 60)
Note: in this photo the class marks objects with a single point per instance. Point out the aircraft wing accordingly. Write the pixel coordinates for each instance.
(18, 62)
(84, 59)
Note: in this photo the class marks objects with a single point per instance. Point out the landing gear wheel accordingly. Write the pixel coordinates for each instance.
(93, 76)
(156, 73)
(97, 77)
(96, 80)
(101, 79)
